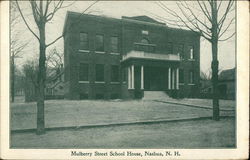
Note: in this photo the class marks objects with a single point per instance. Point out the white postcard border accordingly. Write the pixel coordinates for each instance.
(241, 152)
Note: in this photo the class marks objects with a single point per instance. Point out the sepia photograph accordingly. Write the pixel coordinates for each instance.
(126, 75)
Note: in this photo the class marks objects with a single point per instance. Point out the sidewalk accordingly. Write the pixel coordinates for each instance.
(65, 113)
(225, 105)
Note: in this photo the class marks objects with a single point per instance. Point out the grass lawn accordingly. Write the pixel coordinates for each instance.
(63, 113)
(189, 134)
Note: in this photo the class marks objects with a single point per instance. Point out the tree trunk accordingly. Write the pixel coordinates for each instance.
(41, 82)
(215, 62)
(12, 72)
(215, 65)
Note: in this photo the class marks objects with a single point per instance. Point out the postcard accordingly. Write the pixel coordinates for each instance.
(124, 79)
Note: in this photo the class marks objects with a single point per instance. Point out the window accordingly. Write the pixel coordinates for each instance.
(114, 73)
(84, 44)
(180, 48)
(99, 70)
(170, 48)
(114, 44)
(191, 52)
(99, 45)
(191, 77)
(83, 72)
(181, 76)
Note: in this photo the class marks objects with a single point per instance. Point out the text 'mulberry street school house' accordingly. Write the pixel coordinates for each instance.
(109, 58)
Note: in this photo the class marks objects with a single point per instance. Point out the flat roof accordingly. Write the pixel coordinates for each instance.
(124, 19)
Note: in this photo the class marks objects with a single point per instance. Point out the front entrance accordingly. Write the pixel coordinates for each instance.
(155, 78)
(151, 78)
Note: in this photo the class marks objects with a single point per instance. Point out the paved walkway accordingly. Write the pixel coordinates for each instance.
(65, 113)
(191, 104)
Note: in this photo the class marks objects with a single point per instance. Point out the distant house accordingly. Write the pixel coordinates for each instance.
(54, 88)
(226, 85)
(205, 86)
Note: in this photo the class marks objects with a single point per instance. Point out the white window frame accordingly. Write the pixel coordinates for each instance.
(191, 53)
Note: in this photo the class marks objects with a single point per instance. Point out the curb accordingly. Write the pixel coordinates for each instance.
(117, 124)
(192, 105)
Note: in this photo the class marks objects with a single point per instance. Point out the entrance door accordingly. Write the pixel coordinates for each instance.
(155, 78)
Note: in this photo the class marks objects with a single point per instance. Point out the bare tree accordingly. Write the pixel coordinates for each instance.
(30, 69)
(43, 11)
(54, 58)
(16, 46)
(54, 64)
(208, 75)
(209, 19)
(205, 76)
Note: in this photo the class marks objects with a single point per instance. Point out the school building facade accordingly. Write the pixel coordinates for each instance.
(109, 58)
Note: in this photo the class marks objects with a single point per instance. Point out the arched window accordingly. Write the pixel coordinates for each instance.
(145, 46)
(144, 41)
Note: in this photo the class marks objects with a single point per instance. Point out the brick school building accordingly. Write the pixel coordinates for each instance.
(109, 58)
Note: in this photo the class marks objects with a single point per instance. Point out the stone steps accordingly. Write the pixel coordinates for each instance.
(155, 95)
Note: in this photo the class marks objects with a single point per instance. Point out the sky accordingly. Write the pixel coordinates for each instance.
(226, 50)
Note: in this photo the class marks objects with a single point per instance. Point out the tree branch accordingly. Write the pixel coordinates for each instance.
(221, 21)
(27, 25)
(172, 22)
(47, 7)
(227, 37)
(205, 10)
(35, 12)
(56, 8)
(202, 32)
(195, 17)
(219, 5)
(19, 49)
(230, 23)
(54, 41)
(65, 31)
